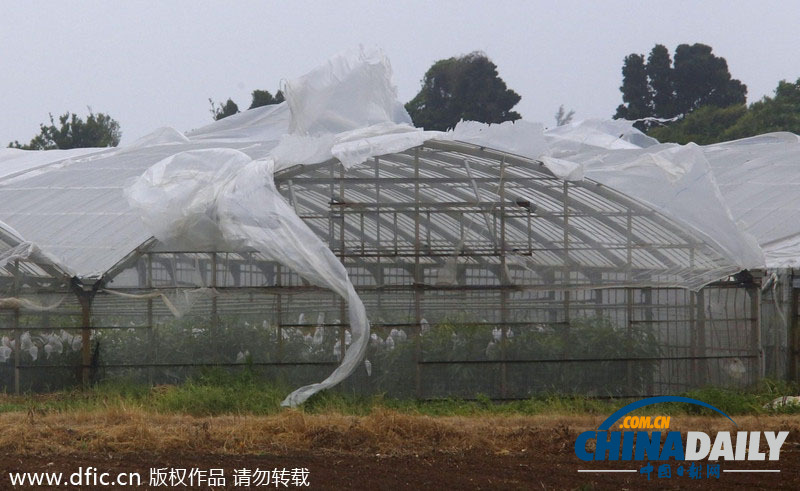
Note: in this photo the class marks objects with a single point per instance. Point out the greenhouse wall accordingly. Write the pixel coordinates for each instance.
(429, 342)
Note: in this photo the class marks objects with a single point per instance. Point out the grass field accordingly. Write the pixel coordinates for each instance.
(220, 393)
(377, 443)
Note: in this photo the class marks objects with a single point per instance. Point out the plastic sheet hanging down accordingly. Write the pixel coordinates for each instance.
(196, 191)
(220, 198)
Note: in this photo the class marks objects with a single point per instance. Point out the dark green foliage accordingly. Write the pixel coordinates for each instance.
(779, 113)
(71, 131)
(635, 91)
(701, 79)
(456, 341)
(704, 126)
(264, 98)
(222, 111)
(711, 124)
(467, 87)
(659, 73)
(661, 88)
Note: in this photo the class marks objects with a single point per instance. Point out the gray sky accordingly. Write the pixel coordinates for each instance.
(151, 64)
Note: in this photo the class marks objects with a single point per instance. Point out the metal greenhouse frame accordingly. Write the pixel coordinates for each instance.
(491, 274)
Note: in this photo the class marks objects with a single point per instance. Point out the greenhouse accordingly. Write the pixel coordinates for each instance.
(326, 234)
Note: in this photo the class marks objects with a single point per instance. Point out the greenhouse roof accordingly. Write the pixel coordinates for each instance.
(72, 204)
(688, 207)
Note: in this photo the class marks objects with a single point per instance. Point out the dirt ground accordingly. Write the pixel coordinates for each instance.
(381, 451)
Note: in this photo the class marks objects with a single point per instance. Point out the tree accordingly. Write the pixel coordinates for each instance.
(99, 130)
(264, 98)
(711, 124)
(635, 91)
(779, 113)
(466, 87)
(701, 79)
(664, 88)
(704, 126)
(222, 111)
(563, 117)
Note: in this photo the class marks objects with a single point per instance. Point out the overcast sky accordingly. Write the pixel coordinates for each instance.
(152, 64)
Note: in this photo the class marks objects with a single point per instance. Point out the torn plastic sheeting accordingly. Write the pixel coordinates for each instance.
(352, 90)
(26, 304)
(350, 147)
(179, 304)
(518, 137)
(675, 180)
(346, 109)
(28, 251)
(356, 149)
(177, 196)
(195, 191)
(686, 193)
(564, 169)
(614, 134)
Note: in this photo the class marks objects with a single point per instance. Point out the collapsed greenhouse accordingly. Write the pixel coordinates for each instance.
(502, 260)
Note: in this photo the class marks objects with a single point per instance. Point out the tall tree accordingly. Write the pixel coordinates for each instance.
(71, 131)
(712, 124)
(222, 111)
(466, 87)
(635, 91)
(702, 78)
(264, 98)
(663, 88)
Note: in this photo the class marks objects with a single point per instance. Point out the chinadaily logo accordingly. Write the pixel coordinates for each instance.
(655, 451)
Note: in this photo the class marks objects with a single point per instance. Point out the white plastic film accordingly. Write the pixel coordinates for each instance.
(222, 193)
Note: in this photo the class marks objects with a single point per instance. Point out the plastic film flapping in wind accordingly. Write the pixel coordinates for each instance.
(220, 197)
(222, 193)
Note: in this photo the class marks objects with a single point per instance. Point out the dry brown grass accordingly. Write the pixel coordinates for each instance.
(127, 431)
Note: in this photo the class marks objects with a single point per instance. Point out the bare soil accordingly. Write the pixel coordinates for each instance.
(382, 451)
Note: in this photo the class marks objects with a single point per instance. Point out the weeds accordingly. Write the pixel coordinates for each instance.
(218, 392)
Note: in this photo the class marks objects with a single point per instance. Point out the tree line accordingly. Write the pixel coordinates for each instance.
(686, 96)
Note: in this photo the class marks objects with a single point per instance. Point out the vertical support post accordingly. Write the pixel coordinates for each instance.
(629, 291)
(85, 300)
(694, 375)
(755, 328)
(279, 309)
(505, 281)
(378, 259)
(342, 307)
(214, 316)
(151, 335)
(648, 317)
(700, 326)
(17, 341)
(418, 282)
(794, 332)
(565, 280)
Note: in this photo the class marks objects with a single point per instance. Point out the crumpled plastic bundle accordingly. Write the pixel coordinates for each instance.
(346, 109)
